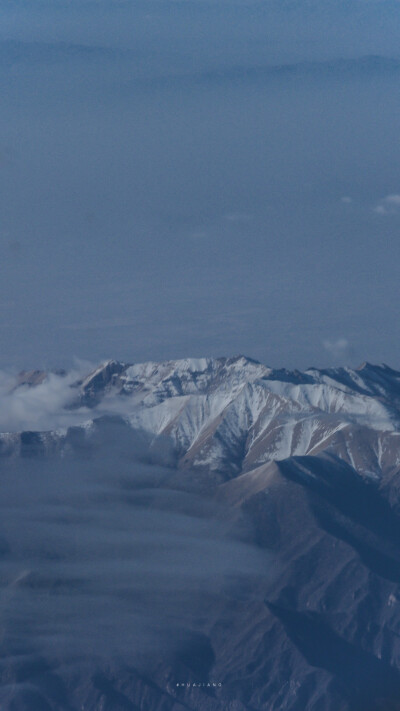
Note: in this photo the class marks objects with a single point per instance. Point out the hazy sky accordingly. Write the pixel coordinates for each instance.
(193, 178)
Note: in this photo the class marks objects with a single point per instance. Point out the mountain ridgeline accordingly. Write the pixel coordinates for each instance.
(242, 522)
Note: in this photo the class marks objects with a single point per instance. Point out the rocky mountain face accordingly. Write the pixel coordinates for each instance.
(303, 469)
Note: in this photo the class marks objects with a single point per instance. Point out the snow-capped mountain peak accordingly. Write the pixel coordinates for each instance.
(231, 415)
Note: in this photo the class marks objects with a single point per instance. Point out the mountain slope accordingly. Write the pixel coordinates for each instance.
(233, 415)
(302, 471)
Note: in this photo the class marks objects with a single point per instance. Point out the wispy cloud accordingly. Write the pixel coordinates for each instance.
(389, 205)
(238, 217)
(45, 406)
(338, 349)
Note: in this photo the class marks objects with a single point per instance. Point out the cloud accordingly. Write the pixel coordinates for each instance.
(238, 217)
(45, 406)
(338, 348)
(100, 558)
(105, 563)
(389, 205)
(39, 401)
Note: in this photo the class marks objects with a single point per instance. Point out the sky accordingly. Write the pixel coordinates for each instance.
(193, 178)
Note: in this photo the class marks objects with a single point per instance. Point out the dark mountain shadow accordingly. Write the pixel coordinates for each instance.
(350, 509)
(366, 682)
(354, 497)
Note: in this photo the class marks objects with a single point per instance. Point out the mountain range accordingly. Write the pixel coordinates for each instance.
(302, 467)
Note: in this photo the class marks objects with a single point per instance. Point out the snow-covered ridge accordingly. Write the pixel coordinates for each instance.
(228, 415)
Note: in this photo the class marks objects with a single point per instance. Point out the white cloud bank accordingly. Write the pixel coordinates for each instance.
(44, 406)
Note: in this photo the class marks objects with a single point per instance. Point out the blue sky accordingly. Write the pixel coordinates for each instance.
(188, 178)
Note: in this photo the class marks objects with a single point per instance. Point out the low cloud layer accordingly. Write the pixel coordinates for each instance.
(42, 407)
(100, 561)
(40, 402)
(99, 558)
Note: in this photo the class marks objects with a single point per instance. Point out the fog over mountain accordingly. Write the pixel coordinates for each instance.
(200, 534)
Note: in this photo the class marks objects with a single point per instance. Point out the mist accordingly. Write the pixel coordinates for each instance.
(102, 563)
